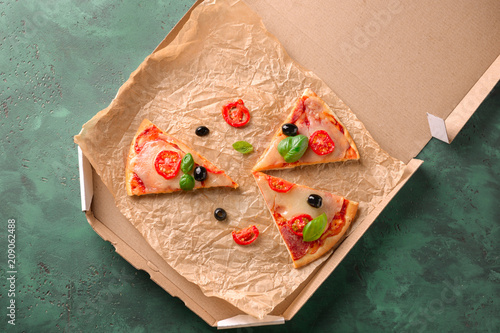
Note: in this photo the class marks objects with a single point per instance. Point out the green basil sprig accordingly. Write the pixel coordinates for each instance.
(186, 182)
(315, 228)
(187, 163)
(293, 147)
(243, 147)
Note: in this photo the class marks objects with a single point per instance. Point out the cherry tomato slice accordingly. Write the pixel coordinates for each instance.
(151, 133)
(168, 163)
(236, 114)
(321, 143)
(297, 223)
(137, 185)
(279, 185)
(246, 236)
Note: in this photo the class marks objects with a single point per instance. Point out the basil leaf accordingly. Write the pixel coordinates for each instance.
(187, 163)
(243, 147)
(315, 228)
(293, 147)
(186, 182)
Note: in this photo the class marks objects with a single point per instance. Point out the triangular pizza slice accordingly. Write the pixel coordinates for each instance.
(157, 163)
(310, 134)
(294, 206)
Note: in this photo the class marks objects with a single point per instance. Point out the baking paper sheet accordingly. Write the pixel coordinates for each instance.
(224, 53)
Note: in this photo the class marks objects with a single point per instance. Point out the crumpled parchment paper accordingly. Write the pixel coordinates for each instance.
(221, 54)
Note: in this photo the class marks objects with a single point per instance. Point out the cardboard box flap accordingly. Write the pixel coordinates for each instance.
(469, 104)
(85, 172)
(392, 61)
(249, 321)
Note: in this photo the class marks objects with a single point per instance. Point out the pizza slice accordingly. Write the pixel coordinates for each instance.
(159, 163)
(311, 222)
(310, 134)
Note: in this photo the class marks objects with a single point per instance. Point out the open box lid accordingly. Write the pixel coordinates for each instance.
(404, 68)
(395, 61)
(396, 64)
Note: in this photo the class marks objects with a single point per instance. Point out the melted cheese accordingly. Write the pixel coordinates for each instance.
(317, 123)
(294, 202)
(144, 168)
(271, 156)
(216, 179)
(315, 111)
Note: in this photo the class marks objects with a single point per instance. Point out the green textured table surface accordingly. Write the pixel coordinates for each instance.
(430, 262)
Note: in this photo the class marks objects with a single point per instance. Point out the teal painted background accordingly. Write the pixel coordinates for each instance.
(430, 262)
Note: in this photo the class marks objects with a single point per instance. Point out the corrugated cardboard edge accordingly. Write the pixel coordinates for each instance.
(437, 126)
(249, 321)
(457, 119)
(86, 189)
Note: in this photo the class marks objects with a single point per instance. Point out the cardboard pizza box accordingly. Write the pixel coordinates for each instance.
(409, 71)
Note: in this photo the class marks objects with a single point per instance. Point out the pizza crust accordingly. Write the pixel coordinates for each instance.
(129, 167)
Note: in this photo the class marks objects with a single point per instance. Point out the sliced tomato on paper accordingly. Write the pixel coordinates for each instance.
(236, 114)
(246, 236)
